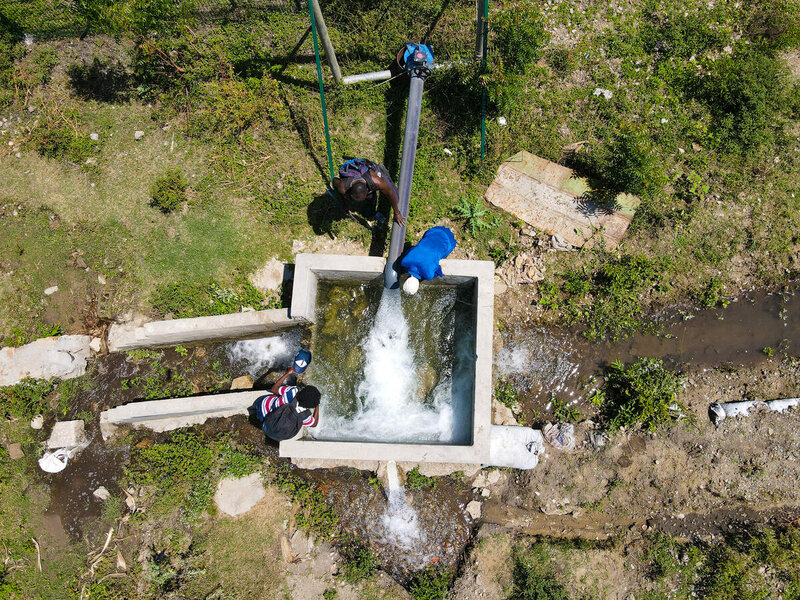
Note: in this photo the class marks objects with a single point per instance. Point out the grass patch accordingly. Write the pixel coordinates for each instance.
(315, 514)
(181, 299)
(359, 563)
(168, 191)
(417, 481)
(430, 584)
(533, 578)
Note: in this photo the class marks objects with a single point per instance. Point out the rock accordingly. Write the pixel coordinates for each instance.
(63, 357)
(286, 551)
(480, 481)
(560, 244)
(486, 492)
(94, 137)
(271, 276)
(37, 422)
(15, 451)
(236, 496)
(597, 439)
(101, 493)
(67, 434)
(302, 545)
(137, 135)
(474, 510)
(51, 290)
(101, 280)
(96, 345)
(502, 415)
(80, 263)
(245, 382)
(494, 476)
(499, 286)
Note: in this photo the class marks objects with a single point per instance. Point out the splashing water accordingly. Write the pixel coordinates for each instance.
(388, 405)
(400, 523)
(259, 356)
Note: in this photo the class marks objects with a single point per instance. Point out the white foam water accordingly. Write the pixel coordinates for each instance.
(400, 523)
(259, 356)
(388, 409)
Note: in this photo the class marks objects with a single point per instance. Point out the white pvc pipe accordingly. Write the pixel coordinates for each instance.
(373, 76)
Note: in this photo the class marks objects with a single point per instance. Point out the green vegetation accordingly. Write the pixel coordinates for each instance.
(563, 412)
(181, 299)
(315, 513)
(183, 471)
(473, 214)
(533, 578)
(417, 481)
(168, 192)
(359, 562)
(430, 584)
(642, 394)
(156, 380)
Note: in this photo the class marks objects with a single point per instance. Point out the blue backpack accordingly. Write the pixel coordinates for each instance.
(354, 168)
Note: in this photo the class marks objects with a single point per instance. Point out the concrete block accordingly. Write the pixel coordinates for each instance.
(552, 198)
(63, 357)
(310, 268)
(199, 329)
(67, 434)
(174, 413)
(271, 276)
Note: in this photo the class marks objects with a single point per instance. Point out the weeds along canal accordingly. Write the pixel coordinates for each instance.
(548, 362)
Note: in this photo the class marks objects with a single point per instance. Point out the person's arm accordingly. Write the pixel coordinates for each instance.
(316, 416)
(388, 189)
(280, 381)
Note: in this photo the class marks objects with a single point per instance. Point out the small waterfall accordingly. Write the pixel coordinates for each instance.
(400, 522)
(259, 356)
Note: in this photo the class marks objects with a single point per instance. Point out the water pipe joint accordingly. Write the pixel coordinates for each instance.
(416, 59)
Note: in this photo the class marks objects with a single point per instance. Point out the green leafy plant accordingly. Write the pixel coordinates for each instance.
(519, 37)
(506, 394)
(473, 214)
(711, 294)
(25, 399)
(168, 191)
(563, 412)
(316, 513)
(644, 394)
(417, 481)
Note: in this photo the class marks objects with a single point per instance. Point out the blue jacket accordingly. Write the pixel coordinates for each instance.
(422, 261)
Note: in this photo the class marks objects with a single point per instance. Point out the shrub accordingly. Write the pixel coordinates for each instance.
(519, 37)
(60, 141)
(745, 93)
(644, 394)
(168, 191)
(37, 68)
(473, 214)
(561, 60)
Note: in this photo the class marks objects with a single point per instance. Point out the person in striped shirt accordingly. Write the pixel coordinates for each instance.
(307, 397)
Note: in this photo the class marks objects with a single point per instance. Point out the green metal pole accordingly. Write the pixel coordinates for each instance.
(321, 87)
(483, 71)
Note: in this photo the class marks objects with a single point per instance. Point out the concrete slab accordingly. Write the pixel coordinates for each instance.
(174, 413)
(552, 198)
(67, 434)
(199, 329)
(311, 268)
(236, 496)
(63, 357)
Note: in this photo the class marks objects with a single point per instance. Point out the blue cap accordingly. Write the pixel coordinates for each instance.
(301, 361)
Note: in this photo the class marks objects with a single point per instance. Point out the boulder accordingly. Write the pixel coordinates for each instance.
(15, 451)
(236, 496)
(101, 493)
(245, 382)
(474, 510)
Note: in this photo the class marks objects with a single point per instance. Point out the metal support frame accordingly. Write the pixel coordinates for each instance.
(330, 54)
(321, 86)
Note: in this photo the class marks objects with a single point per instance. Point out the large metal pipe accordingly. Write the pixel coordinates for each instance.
(330, 54)
(417, 83)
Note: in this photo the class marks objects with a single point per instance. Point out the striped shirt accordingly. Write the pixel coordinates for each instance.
(286, 394)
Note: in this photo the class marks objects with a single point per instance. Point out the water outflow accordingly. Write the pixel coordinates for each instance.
(259, 356)
(400, 522)
(388, 407)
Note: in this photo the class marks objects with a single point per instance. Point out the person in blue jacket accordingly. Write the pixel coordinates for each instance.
(422, 261)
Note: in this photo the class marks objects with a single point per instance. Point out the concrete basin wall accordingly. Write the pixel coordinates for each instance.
(311, 268)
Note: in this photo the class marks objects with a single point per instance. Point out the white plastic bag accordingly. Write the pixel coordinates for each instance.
(55, 461)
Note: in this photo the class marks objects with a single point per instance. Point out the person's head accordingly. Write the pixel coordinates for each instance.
(411, 285)
(308, 397)
(358, 190)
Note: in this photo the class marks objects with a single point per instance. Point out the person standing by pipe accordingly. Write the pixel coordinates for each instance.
(359, 182)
